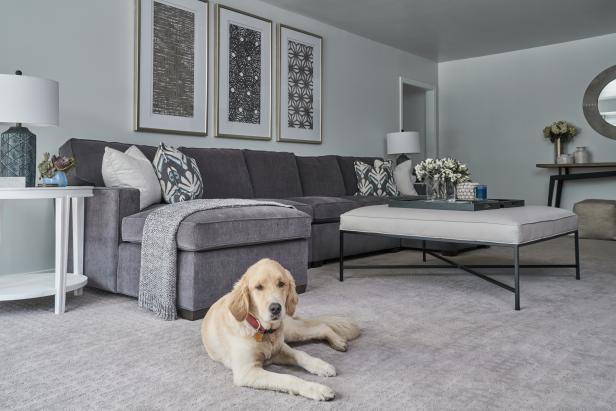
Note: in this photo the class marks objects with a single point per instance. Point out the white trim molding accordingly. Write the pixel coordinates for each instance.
(432, 146)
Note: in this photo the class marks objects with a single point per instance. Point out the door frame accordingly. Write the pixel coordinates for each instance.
(432, 144)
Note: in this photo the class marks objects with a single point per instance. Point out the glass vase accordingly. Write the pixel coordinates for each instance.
(451, 191)
(429, 184)
(439, 190)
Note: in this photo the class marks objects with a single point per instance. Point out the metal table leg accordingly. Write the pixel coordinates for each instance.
(516, 276)
(551, 190)
(577, 255)
(341, 256)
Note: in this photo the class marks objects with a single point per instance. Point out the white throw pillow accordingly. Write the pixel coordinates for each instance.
(403, 175)
(132, 169)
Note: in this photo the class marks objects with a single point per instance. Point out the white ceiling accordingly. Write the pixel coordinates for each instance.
(445, 30)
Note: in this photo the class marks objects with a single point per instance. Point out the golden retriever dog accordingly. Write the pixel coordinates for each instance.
(250, 327)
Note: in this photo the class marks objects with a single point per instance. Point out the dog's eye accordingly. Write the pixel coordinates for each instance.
(280, 284)
(259, 287)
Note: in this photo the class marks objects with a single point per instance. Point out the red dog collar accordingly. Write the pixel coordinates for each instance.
(254, 323)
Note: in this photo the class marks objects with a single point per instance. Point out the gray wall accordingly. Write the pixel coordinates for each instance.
(492, 110)
(87, 46)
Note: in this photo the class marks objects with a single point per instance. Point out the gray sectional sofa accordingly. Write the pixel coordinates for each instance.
(215, 247)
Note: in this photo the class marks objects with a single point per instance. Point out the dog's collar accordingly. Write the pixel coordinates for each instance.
(254, 323)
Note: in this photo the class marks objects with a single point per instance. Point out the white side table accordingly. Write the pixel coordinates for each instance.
(33, 285)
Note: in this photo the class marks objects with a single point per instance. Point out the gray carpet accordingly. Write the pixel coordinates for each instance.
(438, 339)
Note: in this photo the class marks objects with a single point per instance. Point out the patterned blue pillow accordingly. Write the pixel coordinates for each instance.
(178, 175)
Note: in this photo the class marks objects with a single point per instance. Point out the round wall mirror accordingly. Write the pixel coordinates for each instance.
(600, 103)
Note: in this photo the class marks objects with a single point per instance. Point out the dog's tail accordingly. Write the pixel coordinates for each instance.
(341, 326)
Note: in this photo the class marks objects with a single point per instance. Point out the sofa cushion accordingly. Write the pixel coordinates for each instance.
(363, 201)
(304, 208)
(320, 176)
(273, 174)
(224, 172)
(89, 159)
(327, 209)
(228, 227)
(347, 168)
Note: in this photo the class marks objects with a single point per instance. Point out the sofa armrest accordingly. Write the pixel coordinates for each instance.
(102, 233)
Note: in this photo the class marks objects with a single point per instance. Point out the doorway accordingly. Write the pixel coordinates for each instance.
(417, 112)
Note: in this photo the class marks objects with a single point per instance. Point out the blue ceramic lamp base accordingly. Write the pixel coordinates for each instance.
(18, 154)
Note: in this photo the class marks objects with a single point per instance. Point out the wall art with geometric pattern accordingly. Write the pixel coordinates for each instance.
(299, 71)
(243, 75)
(171, 63)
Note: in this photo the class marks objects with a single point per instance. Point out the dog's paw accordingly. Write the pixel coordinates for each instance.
(321, 368)
(317, 392)
(339, 343)
(326, 370)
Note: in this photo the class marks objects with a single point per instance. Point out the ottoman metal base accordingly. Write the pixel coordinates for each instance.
(470, 268)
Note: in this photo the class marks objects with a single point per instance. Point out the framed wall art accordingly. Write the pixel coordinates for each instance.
(171, 66)
(299, 72)
(243, 72)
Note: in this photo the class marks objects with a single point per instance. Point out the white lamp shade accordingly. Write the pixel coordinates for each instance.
(403, 142)
(28, 100)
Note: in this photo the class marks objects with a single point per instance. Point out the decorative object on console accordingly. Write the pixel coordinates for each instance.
(299, 71)
(131, 169)
(403, 143)
(12, 182)
(53, 170)
(29, 100)
(171, 60)
(466, 191)
(376, 180)
(559, 132)
(404, 178)
(178, 174)
(441, 177)
(564, 159)
(243, 75)
(581, 155)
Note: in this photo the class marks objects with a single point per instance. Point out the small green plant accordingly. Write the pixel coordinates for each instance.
(560, 130)
(52, 164)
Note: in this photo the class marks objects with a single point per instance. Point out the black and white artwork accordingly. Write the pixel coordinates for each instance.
(243, 75)
(173, 85)
(299, 85)
(171, 90)
(300, 81)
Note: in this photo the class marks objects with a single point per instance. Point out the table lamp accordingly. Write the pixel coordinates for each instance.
(24, 100)
(403, 143)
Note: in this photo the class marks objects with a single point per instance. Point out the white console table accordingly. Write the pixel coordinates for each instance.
(58, 282)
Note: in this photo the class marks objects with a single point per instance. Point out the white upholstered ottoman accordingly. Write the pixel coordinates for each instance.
(512, 227)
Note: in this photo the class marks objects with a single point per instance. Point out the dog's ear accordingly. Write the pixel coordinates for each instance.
(240, 300)
(292, 297)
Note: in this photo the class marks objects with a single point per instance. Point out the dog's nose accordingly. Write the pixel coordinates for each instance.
(275, 308)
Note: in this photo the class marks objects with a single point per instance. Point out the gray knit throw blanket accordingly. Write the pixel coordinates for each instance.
(158, 277)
